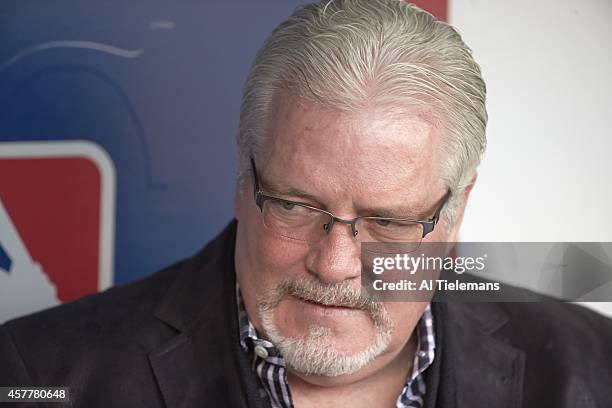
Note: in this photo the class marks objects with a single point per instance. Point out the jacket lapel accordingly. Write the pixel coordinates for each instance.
(204, 364)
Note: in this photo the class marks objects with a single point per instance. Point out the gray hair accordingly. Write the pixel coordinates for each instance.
(348, 53)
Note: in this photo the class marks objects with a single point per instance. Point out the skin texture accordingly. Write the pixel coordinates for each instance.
(376, 161)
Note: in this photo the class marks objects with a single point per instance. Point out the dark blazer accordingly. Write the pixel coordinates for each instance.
(171, 340)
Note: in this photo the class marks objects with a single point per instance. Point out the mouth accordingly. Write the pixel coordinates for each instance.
(327, 307)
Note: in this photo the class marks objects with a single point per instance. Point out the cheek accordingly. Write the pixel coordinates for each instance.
(272, 259)
(262, 260)
(269, 256)
(280, 254)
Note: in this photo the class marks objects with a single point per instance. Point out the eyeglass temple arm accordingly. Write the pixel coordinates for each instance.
(255, 179)
(436, 216)
(429, 226)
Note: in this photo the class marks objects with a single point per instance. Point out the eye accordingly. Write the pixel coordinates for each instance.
(287, 205)
(383, 222)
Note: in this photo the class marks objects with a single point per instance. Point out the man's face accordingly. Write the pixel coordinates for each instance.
(377, 161)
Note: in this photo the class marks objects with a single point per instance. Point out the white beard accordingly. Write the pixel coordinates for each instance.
(316, 353)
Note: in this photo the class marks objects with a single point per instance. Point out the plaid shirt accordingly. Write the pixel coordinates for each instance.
(270, 365)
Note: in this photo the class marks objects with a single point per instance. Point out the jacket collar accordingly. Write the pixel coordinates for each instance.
(199, 283)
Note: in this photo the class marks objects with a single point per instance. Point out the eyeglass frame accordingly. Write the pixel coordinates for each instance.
(428, 225)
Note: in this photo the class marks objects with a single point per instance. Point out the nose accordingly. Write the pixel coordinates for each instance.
(337, 257)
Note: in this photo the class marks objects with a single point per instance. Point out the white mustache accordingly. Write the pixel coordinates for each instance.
(342, 294)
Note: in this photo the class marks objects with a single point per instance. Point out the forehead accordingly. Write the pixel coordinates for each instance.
(374, 151)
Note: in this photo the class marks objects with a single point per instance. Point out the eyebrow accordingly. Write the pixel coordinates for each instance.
(407, 212)
(290, 191)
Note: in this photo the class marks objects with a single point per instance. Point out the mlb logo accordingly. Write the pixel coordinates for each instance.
(57, 216)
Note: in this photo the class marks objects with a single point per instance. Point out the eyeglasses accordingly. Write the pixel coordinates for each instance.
(303, 222)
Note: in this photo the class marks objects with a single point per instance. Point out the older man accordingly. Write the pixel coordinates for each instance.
(362, 121)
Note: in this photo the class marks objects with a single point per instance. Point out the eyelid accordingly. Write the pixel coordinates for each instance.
(288, 200)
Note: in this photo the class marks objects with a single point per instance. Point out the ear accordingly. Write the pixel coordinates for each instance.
(461, 209)
(466, 194)
(468, 189)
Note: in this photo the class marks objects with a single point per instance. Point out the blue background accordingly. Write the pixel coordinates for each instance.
(167, 118)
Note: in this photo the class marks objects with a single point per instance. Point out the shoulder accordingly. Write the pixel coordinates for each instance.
(559, 351)
(106, 332)
(567, 350)
(102, 342)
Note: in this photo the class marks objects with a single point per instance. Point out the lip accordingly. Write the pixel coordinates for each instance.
(325, 310)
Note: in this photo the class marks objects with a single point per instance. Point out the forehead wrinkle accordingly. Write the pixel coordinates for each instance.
(365, 162)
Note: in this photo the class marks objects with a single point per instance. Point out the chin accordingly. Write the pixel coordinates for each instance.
(322, 341)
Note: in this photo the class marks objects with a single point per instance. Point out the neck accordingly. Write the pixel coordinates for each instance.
(380, 388)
